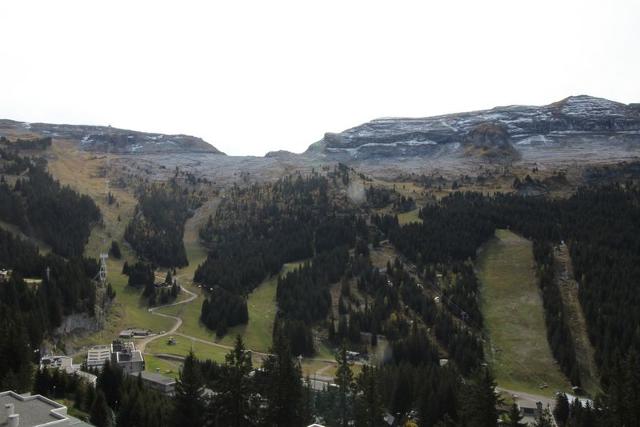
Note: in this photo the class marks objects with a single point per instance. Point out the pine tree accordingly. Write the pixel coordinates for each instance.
(100, 414)
(368, 403)
(188, 401)
(479, 401)
(114, 251)
(109, 382)
(344, 380)
(561, 410)
(42, 382)
(283, 390)
(80, 395)
(234, 404)
(544, 420)
(515, 417)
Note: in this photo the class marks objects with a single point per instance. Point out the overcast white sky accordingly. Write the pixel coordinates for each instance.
(250, 77)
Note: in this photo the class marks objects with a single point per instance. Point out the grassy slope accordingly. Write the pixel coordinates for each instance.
(411, 216)
(585, 353)
(14, 229)
(512, 307)
(256, 333)
(81, 171)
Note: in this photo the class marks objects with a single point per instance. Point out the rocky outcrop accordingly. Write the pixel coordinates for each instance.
(491, 140)
(493, 133)
(105, 139)
(78, 323)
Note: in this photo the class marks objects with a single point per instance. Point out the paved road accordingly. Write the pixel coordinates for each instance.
(141, 344)
(530, 400)
(528, 397)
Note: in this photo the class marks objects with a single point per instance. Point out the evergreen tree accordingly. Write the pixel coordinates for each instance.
(344, 380)
(561, 410)
(368, 403)
(114, 251)
(515, 417)
(234, 403)
(283, 390)
(100, 414)
(109, 382)
(479, 401)
(42, 382)
(188, 401)
(544, 420)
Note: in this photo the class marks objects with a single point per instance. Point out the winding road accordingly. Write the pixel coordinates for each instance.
(141, 344)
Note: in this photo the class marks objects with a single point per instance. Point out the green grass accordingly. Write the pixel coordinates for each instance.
(169, 368)
(127, 311)
(407, 217)
(183, 346)
(262, 308)
(257, 333)
(512, 307)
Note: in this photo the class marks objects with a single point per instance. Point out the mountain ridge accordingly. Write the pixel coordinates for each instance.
(499, 134)
(114, 140)
(524, 125)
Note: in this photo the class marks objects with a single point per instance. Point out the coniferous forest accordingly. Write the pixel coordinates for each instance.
(156, 230)
(29, 313)
(43, 208)
(336, 296)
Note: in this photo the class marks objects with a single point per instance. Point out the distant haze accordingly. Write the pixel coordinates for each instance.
(250, 77)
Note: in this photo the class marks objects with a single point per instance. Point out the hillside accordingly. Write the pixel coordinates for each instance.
(517, 347)
(105, 139)
(576, 120)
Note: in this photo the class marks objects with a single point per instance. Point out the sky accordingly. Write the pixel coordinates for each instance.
(254, 76)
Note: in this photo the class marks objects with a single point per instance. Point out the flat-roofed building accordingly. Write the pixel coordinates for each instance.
(97, 355)
(23, 410)
(125, 355)
(134, 333)
(60, 362)
(163, 384)
(130, 361)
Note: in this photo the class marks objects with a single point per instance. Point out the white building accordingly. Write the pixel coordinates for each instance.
(24, 410)
(97, 355)
(66, 363)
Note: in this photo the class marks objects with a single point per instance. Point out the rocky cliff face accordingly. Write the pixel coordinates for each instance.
(494, 133)
(117, 141)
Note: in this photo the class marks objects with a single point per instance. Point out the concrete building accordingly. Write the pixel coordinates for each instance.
(60, 362)
(97, 355)
(66, 363)
(134, 333)
(125, 355)
(23, 410)
(121, 353)
(530, 412)
(131, 362)
(163, 384)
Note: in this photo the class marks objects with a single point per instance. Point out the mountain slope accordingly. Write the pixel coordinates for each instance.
(495, 131)
(113, 140)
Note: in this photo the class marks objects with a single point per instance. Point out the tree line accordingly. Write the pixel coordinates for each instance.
(156, 230)
(30, 312)
(260, 227)
(43, 208)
